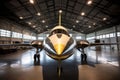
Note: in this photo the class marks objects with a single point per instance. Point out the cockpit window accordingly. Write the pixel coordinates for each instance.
(56, 31)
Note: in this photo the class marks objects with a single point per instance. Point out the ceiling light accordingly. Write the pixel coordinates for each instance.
(82, 31)
(60, 11)
(82, 13)
(43, 21)
(104, 19)
(46, 26)
(29, 23)
(31, 1)
(89, 2)
(21, 17)
(89, 26)
(34, 26)
(74, 26)
(94, 24)
(38, 14)
(77, 21)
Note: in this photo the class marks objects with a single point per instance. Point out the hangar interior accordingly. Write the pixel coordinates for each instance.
(22, 21)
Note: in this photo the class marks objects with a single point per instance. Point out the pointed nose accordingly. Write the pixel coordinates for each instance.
(59, 48)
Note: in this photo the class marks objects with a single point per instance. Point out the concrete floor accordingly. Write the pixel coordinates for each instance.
(101, 65)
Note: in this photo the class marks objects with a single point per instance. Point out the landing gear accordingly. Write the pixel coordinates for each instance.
(83, 57)
(36, 57)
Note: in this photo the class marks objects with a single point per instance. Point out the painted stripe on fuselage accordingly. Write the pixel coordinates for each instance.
(50, 43)
(68, 44)
(47, 47)
(69, 48)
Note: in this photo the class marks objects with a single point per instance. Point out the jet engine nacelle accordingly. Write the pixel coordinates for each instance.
(36, 43)
(82, 44)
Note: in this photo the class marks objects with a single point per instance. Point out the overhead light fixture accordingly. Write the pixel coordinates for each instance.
(21, 17)
(38, 14)
(73, 26)
(29, 23)
(89, 2)
(82, 13)
(104, 19)
(60, 11)
(43, 21)
(77, 21)
(34, 26)
(89, 26)
(94, 24)
(31, 1)
(46, 26)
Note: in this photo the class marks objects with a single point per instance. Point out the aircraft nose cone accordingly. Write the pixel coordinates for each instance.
(59, 48)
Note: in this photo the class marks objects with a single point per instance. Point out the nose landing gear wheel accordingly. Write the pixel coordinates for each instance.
(83, 58)
(36, 57)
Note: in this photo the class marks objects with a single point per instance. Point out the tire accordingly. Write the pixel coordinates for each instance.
(38, 57)
(82, 57)
(35, 57)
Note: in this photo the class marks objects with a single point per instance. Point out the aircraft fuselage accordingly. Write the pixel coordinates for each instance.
(59, 45)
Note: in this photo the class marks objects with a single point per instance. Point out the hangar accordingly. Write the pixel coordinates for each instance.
(59, 39)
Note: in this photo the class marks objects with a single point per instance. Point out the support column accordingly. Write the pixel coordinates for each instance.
(11, 34)
(36, 36)
(117, 41)
(22, 35)
(95, 35)
(110, 41)
(85, 36)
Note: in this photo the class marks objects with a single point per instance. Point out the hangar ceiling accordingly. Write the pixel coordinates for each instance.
(83, 16)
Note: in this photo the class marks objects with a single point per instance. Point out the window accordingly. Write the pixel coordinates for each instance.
(26, 36)
(107, 35)
(100, 36)
(8, 33)
(104, 36)
(90, 38)
(78, 37)
(16, 35)
(33, 37)
(5, 33)
(40, 38)
(118, 33)
(112, 34)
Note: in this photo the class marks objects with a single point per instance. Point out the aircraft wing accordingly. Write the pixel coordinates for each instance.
(82, 44)
(2, 45)
(95, 44)
(85, 43)
(35, 43)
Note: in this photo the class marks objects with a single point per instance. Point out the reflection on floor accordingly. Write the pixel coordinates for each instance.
(98, 72)
(21, 66)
